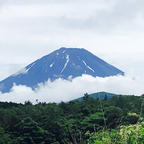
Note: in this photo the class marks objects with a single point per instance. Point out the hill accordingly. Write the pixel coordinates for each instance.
(100, 95)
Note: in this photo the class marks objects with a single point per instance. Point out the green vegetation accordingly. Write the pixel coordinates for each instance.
(118, 120)
(132, 134)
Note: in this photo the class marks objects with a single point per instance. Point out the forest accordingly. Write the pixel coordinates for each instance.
(116, 120)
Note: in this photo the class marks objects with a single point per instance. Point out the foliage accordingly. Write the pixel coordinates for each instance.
(4, 137)
(131, 134)
(113, 116)
(95, 121)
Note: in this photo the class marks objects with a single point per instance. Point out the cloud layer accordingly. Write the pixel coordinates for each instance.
(63, 90)
(111, 29)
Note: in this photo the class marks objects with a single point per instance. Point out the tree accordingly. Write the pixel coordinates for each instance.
(86, 97)
(93, 122)
(105, 97)
(4, 137)
(132, 118)
(28, 132)
(113, 116)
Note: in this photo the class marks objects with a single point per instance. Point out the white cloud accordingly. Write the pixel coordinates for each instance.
(33, 28)
(9, 69)
(111, 29)
(63, 90)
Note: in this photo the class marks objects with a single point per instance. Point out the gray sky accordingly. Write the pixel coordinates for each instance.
(111, 29)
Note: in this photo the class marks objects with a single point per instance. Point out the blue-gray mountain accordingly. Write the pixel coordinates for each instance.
(99, 95)
(63, 63)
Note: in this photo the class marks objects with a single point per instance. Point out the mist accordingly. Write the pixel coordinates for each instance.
(64, 90)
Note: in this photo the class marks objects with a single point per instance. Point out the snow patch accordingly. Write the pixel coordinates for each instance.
(67, 61)
(30, 67)
(88, 66)
(52, 65)
(64, 51)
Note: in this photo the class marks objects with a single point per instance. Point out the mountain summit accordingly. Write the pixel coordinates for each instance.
(63, 63)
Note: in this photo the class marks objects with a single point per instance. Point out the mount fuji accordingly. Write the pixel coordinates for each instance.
(65, 63)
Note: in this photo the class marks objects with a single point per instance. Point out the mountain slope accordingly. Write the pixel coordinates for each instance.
(63, 63)
(100, 95)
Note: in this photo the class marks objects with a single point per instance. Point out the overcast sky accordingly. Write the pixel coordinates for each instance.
(111, 29)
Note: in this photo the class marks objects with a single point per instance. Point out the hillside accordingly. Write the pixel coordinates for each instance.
(117, 120)
(98, 95)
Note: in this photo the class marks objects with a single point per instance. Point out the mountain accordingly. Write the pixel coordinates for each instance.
(65, 63)
(100, 95)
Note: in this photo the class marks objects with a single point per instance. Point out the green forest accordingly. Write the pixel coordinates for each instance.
(116, 120)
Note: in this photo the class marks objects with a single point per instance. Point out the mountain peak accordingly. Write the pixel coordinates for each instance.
(62, 63)
(70, 49)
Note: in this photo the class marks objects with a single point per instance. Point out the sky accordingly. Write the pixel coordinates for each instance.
(111, 29)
